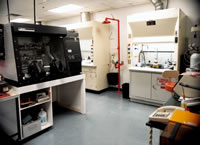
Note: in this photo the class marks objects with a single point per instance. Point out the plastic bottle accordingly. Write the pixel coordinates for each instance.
(43, 116)
(183, 102)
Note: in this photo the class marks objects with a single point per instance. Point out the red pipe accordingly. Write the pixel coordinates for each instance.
(118, 64)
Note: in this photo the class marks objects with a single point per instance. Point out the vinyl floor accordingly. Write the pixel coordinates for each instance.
(110, 120)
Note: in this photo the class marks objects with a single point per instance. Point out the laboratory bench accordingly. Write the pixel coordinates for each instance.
(69, 92)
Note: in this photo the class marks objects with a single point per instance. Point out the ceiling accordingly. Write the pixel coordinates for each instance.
(25, 7)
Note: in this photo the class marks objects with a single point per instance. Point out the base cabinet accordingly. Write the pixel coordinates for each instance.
(148, 88)
(90, 77)
(95, 78)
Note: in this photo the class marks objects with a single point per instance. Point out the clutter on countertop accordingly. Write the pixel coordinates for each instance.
(3, 85)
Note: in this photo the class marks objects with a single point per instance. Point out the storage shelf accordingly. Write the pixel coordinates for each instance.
(46, 126)
(35, 104)
(76, 103)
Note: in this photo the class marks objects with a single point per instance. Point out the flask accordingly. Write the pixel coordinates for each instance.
(43, 116)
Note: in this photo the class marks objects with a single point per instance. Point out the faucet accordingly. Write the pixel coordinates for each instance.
(141, 53)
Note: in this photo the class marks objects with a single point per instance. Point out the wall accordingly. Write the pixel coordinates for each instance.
(3, 12)
(189, 7)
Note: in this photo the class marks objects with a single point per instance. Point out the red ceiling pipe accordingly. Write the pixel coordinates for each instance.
(106, 21)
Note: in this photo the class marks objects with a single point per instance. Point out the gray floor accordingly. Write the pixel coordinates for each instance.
(110, 120)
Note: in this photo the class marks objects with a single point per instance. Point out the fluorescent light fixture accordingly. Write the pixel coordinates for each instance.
(65, 8)
(20, 20)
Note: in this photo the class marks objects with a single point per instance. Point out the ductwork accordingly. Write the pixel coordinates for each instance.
(85, 16)
(158, 4)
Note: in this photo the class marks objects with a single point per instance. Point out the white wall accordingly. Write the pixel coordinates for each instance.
(189, 7)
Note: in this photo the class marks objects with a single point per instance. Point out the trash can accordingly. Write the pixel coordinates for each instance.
(112, 78)
(125, 90)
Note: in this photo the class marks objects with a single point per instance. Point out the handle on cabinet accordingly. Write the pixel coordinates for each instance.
(154, 87)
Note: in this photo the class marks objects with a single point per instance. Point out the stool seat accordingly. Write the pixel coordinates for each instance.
(169, 86)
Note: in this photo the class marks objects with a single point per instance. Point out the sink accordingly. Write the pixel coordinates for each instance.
(146, 65)
(150, 66)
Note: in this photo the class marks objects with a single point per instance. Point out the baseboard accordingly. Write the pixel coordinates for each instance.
(104, 90)
(96, 92)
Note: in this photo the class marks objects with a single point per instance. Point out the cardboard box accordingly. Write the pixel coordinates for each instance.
(31, 128)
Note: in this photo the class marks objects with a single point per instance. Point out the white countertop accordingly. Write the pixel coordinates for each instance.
(88, 65)
(47, 84)
(147, 69)
(13, 94)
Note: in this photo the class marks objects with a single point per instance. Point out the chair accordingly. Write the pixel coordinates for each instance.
(169, 86)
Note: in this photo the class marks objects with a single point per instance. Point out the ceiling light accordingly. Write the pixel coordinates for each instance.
(65, 8)
(20, 20)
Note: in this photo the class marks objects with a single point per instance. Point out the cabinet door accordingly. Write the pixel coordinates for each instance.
(158, 91)
(140, 84)
(91, 79)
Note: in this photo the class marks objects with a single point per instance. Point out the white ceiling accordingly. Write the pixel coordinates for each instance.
(25, 7)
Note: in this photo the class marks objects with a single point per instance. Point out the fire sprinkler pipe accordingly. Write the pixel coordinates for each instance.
(34, 12)
(118, 48)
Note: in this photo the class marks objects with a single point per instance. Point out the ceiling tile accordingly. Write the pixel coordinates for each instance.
(25, 7)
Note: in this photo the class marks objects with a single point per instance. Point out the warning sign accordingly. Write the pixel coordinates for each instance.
(161, 82)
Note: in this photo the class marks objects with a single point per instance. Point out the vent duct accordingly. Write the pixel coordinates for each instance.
(8, 8)
(85, 16)
(158, 4)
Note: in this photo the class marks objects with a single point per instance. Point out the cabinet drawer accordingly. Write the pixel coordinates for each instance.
(31, 128)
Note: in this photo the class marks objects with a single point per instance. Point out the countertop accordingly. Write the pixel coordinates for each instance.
(147, 69)
(13, 94)
(88, 65)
